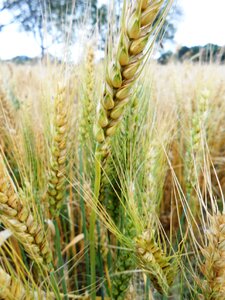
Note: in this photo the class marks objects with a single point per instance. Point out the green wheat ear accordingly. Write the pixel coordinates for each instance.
(160, 267)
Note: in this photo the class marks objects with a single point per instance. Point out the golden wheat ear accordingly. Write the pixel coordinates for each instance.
(57, 175)
(18, 217)
(12, 288)
(7, 116)
(213, 267)
(122, 72)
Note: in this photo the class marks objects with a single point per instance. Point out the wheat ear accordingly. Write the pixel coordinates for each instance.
(125, 263)
(7, 114)
(160, 267)
(213, 267)
(193, 157)
(57, 181)
(124, 70)
(16, 215)
(11, 288)
(88, 105)
(12, 139)
(136, 32)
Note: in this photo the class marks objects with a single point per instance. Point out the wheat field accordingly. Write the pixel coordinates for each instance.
(112, 174)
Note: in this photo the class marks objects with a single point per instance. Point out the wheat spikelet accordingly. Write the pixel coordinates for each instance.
(160, 267)
(57, 181)
(213, 268)
(16, 216)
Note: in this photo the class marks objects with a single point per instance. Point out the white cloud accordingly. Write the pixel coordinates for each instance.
(203, 22)
(102, 2)
(14, 43)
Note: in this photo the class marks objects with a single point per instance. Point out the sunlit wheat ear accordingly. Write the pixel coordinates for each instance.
(17, 216)
(160, 267)
(122, 72)
(57, 177)
(12, 288)
(213, 267)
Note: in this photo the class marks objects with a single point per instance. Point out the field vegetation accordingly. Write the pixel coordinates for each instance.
(112, 173)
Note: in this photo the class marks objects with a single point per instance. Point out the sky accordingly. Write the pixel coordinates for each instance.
(203, 22)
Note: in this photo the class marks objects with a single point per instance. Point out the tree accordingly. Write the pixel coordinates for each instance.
(170, 25)
(56, 18)
(51, 17)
